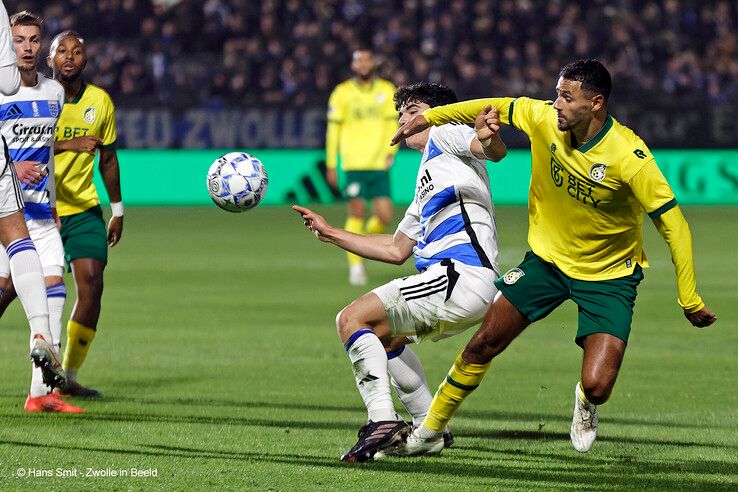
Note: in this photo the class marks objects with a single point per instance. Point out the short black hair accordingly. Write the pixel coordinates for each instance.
(591, 73)
(57, 39)
(430, 93)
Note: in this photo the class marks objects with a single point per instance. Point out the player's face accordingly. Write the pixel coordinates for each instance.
(68, 59)
(574, 106)
(410, 109)
(27, 44)
(363, 64)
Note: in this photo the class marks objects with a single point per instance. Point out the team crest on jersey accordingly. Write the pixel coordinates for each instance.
(34, 107)
(380, 98)
(53, 109)
(89, 115)
(597, 172)
(513, 276)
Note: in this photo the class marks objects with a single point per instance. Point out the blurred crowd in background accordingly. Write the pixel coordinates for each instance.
(293, 52)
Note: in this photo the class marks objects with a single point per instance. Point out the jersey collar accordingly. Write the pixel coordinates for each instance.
(594, 140)
(76, 98)
(368, 86)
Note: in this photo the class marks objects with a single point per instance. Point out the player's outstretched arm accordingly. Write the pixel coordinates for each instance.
(414, 125)
(381, 247)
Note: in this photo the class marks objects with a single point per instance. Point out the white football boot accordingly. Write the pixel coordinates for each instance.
(414, 446)
(583, 424)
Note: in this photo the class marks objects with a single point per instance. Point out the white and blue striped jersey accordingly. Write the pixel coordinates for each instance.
(27, 120)
(452, 216)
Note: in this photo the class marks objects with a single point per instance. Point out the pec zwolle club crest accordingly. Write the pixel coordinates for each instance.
(597, 172)
(89, 115)
(513, 276)
(53, 109)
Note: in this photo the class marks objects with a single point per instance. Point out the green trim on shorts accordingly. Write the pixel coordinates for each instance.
(367, 184)
(84, 235)
(537, 287)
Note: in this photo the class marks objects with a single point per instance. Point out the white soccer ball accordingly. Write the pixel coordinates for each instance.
(237, 181)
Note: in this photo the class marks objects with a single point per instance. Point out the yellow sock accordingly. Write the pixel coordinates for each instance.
(580, 393)
(374, 225)
(462, 379)
(79, 338)
(355, 225)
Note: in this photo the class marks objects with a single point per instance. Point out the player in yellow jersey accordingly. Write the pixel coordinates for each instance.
(86, 125)
(592, 179)
(361, 120)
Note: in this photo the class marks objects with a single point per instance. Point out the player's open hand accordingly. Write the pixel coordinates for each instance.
(487, 123)
(30, 172)
(701, 318)
(314, 222)
(414, 125)
(87, 144)
(115, 230)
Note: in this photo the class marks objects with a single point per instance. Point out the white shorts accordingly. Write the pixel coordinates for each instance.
(444, 300)
(11, 196)
(48, 243)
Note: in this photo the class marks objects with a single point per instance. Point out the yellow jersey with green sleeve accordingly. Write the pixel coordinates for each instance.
(586, 200)
(361, 122)
(90, 113)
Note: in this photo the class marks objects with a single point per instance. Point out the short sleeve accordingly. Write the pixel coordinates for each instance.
(108, 131)
(410, 223)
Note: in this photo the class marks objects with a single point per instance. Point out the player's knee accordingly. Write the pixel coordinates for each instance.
(343, 322)
(91, 286)
(348, 322)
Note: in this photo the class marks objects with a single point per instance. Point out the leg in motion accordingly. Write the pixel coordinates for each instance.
(603, 354)
(360, 326)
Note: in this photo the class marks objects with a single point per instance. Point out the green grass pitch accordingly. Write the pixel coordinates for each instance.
(221, 369)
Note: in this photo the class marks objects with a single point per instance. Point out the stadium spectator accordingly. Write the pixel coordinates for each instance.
(679, 47)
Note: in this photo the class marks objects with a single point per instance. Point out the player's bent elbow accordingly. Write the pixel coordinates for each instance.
(397, 257)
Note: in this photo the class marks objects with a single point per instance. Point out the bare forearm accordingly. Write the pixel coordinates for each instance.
(110, 174)
(496, 150)
(378, 247)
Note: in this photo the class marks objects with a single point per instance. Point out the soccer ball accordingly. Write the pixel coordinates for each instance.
(237, 181)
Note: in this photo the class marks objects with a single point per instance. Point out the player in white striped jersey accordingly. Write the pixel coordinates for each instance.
(27, 120)
(450, 230)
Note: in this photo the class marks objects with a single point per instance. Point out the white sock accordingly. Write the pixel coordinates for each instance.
(38, 388)
(408, 379)
(28, 278)
(56, 296)
(369, 363)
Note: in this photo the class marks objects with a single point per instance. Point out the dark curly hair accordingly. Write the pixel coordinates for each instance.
(430, 93)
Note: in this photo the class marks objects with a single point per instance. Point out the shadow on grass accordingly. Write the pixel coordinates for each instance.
(476, 414)
(282, 424)
(547, 470)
